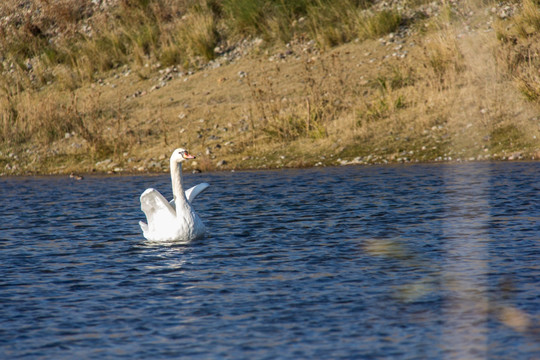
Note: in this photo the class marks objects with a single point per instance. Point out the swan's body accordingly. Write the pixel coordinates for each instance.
(175, 220)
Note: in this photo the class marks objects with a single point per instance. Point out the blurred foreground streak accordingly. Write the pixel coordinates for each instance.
(464, 280)
(474, 272)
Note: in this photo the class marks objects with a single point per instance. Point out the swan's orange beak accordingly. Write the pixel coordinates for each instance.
(188, 156)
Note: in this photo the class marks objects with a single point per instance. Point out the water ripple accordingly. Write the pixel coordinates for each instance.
(424, 261)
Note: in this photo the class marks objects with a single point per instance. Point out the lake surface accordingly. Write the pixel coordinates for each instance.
(408, 262)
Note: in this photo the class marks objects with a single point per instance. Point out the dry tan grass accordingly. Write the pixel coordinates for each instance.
(456, 95)
(520, 49)
(190, 40)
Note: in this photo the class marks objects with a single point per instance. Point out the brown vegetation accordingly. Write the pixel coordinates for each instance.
(116, 85)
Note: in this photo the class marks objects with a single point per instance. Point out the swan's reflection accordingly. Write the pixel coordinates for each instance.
(165, 255)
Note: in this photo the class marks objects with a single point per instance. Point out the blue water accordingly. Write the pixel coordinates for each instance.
(408, 262)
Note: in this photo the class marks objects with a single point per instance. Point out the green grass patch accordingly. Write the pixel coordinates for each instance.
(507, 137)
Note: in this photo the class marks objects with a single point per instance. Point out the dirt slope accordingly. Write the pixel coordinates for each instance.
(430, 92)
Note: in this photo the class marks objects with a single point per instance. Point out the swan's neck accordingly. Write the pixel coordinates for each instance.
(177, 184)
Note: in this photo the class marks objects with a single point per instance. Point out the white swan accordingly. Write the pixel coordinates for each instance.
(175, 220)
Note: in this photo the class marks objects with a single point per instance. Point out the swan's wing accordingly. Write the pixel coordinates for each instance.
(192, 192)
(157, 210)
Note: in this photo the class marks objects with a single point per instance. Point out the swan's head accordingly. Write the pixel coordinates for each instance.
(180, 155)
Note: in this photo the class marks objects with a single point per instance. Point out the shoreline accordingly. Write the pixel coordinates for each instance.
(247, 169)
(436, 89)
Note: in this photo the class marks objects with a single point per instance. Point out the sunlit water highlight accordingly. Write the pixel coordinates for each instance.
(425, 261)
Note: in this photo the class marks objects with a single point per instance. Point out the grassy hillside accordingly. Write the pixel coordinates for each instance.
(115, 86)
